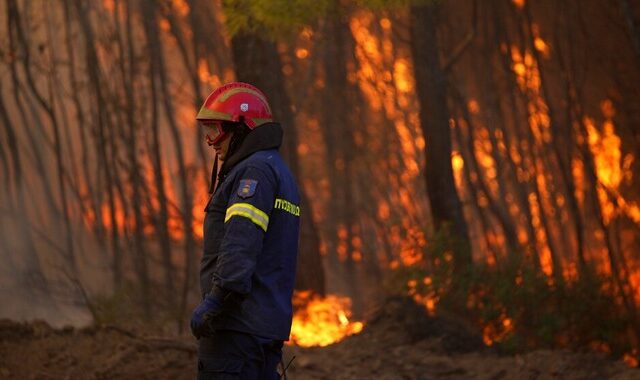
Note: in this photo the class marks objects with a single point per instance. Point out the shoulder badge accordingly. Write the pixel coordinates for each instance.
(247, 188)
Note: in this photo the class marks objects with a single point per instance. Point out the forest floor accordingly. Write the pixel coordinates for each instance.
(399, 342)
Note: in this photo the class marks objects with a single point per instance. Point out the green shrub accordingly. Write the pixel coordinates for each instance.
(517, 306)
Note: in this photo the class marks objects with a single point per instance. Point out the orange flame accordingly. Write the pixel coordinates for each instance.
(429, 299)
(611, 168)
(496, 332)
(321, 321)
(631, 358)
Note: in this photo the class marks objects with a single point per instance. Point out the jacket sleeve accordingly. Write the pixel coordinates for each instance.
(246, 221)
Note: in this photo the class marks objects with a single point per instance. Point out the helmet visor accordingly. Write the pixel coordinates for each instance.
(213, 130)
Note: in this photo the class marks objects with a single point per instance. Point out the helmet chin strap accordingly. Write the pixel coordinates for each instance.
(214, 171)
(214, 177)
(237, 137)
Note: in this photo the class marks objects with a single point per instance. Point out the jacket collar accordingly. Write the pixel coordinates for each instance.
(264, 137)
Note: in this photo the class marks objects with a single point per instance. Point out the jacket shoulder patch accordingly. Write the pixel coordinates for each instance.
(247, 188)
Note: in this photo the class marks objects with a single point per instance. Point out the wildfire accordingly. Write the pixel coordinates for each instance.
(429, 300)
(321, 321)
(496, 332)
(611, 168)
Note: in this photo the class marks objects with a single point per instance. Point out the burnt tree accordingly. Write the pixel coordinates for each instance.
(257, 61)
(431, 88)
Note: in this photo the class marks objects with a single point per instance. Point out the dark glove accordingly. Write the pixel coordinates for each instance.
(208, 309)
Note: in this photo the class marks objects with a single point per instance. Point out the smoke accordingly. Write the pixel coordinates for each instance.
(36, 282)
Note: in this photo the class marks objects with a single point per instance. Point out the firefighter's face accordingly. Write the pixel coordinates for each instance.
(222, 147)
(216, 137)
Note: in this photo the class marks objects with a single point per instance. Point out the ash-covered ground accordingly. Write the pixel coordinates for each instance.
(399, 342)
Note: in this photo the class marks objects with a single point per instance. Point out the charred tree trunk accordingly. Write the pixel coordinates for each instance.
(257, 62)
(162, 228)
(185, 191)
(339, 96)
(431, 89)
(33, 272)
(524, 151)
(563, 161)
(499, 211)
(14, 14)
(629, 14)
(140, 259)
(97, 225)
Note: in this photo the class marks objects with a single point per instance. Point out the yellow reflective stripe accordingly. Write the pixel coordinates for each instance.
(250, 212)
(225, 95)
(207, 114)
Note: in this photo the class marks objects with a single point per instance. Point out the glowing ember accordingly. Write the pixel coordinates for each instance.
(496, 332)
(429, 299)
(631, 358)
(519, 3)
(321, 321)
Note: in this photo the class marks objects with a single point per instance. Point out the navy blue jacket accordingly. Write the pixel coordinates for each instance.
(251, 231)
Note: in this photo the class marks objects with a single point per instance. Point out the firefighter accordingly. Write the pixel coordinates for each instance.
(251, 230)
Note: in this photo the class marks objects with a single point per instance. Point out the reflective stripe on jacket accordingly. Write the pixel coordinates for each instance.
(251, 233)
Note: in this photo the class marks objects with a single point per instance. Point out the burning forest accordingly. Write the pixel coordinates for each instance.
(468, 174)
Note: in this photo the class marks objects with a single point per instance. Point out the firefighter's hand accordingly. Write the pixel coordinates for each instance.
(208, 309)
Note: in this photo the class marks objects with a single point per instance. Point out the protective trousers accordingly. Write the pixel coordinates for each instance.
(232, 355)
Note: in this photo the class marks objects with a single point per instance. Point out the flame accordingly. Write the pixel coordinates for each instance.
(496, 332)
(631, 358)
(428, 299)
(457, 162)
(610, 166)
(302, 53)
(205, 75)
(321, 321)
(519, 3)
(181, 7)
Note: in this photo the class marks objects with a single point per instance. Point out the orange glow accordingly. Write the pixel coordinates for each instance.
(109, 5)
(181, 7)
(541, 46)
(205, 76)
(631, 358)
(611, 168)
(200, 199)
(402, 76)
(428, 299)
(519, 3)
(496, 332)
(303, 149)
(634, 281)
(605, 146)
(164, 25)
(383, 210)
(538, 43)
(302, 53)
(458, 166)
(474, 106)
(321, 321)
(120, 217)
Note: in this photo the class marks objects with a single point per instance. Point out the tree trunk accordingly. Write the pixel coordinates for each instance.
(162, 228)
(431, 89)
(140, 259)
(339, 96)
(33, 272)
(257, 62)
(69, 254)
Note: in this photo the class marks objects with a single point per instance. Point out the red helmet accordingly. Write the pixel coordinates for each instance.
(236, 101)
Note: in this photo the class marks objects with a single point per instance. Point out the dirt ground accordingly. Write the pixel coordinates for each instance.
(399, 342)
